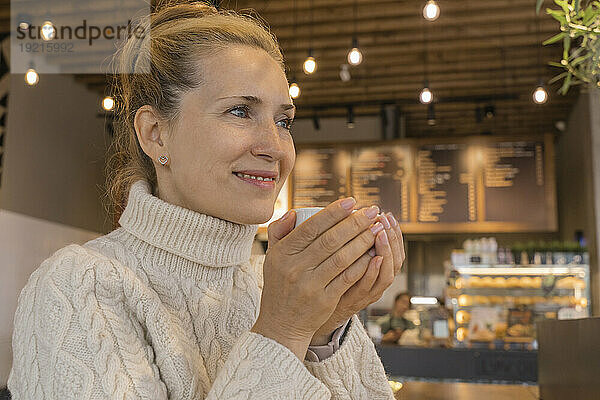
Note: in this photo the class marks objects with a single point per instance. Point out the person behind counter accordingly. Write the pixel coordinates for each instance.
(394, 324)
(171, 305)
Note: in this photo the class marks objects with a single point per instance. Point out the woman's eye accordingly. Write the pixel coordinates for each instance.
(288, 123)
(241, 111)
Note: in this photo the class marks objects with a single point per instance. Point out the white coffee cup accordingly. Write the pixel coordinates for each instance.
(302, 214)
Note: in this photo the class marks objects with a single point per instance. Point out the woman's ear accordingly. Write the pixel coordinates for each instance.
(149, 135)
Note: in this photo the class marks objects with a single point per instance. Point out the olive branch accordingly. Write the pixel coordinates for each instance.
(580, 31)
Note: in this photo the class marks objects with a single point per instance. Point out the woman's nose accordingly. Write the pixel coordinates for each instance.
(270, 141)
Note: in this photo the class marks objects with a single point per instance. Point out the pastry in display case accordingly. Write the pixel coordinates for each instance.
(497, 306)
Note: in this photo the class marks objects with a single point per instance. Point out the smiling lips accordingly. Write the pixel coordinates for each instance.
(258, 174)
(263, 179)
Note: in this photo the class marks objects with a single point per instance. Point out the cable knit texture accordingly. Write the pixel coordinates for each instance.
(161, 308)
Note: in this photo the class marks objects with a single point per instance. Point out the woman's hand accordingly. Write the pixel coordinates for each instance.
(306, 271)
(373, 283)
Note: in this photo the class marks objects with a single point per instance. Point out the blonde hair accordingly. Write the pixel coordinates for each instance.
(163, 61)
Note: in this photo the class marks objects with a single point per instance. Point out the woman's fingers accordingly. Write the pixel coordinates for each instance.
(348, 277)
(360, 291)
(399, 235)
(386, 271)
(394, 243)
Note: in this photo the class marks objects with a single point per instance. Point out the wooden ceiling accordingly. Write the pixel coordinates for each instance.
(476, 54)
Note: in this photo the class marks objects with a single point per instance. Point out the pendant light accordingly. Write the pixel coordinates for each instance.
(31, 75)
(540, 95)
(108, 103)
(310, 64)
(431, 11)
(294, 89)
(345, 73)
(355, 56)
(426, 96)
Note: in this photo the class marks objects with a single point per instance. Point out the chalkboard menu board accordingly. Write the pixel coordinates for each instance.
(513, 173)
(381, 175)
(445, 184)
(320, 177)
(462, 185)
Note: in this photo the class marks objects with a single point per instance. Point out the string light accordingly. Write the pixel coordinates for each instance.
(48, 31)
(426, 95)
(32, 77)
(431, 11)
(540, 96)
(345, 73)
(354, 55)
(310, 64)
(108, 103)
(294, 90)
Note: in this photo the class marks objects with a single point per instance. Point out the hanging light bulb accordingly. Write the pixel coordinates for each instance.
(426, 96)
(294, 90)
(431, 11)
(310, 64)
(345, 73)
(32, 77)
(108, 103)
(354, 55)
(48, 31)
(540, 96)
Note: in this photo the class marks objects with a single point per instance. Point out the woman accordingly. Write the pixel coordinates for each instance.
(394, 323)
(171, 304)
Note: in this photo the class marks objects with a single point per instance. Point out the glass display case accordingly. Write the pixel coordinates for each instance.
(497, 306)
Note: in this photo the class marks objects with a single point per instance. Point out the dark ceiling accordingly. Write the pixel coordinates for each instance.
(476, 54)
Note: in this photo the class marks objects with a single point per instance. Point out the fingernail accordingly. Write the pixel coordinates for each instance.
(372, 212)
(287, 214)
(384, 238)
(392, 219)
(372, 252)
(378, 262)
(348, 203)
(376, 228)
(385, 221)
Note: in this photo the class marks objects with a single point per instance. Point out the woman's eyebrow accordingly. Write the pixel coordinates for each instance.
(256, 100)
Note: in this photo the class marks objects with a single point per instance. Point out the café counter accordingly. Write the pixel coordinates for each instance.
(460, 364)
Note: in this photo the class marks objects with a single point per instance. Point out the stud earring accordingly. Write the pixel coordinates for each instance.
(163, 159)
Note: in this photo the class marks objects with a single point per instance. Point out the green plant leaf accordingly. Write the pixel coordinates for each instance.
(579, 60)
(558, 15)
(557, 77)
(555, 38)
(538, 6)
(566, 47)
(564, 5)
(576, 53)
(566, 84)
(555, 64)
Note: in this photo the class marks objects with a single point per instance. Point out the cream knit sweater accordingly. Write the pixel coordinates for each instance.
(161, 308)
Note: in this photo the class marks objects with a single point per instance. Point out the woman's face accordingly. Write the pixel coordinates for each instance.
(237, 120)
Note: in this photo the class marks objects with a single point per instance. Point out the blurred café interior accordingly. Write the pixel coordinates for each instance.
(476, 123)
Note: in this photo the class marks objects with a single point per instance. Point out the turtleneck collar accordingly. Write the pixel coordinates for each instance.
(200, 238)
